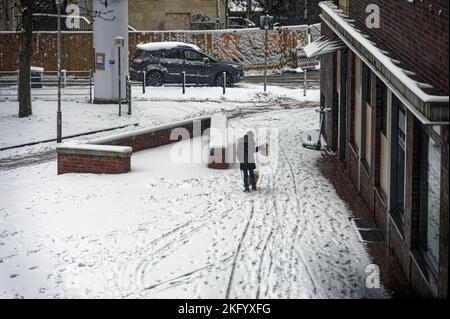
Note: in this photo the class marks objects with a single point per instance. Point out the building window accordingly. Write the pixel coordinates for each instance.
(399, 160)
(382, 103)
(429, 220)
(366, 115)
(367, 84)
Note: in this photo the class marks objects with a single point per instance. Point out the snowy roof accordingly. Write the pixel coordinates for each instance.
(389, 64)
(154, 46)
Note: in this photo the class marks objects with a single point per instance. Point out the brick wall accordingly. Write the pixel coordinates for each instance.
(367, 189)
(152, 139)
(218, 159)
(414, 34)
(84, 163)
(380, 211)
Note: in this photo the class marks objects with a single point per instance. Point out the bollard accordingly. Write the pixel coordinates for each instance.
(224, 84)
(144, 75)
(184, 82)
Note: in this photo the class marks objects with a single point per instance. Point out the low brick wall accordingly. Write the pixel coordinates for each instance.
(156, 136)
(111, 155)
(218, 158)
(94, 159)
(218, 142)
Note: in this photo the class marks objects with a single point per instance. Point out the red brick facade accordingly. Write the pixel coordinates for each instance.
(417, 35)
(413, 33)
(218, 159)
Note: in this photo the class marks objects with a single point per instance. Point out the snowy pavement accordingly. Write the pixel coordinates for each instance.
(182, 230)
(157, 106)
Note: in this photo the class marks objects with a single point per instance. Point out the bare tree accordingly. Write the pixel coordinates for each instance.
(24, 27)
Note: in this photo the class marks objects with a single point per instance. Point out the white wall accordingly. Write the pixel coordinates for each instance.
(106, 29)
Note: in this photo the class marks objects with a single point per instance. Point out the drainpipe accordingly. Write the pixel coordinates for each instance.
(227, 3)
(306, 10)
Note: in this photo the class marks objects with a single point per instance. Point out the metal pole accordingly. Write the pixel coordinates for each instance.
(265, 61)
(143, 82)
(184, 82)
(304, 81)
(129, 94)
(90, 86)
(306, 10)
(59, 113)
(226, 13)
(217, 15)
(120, 84)
(224, 82)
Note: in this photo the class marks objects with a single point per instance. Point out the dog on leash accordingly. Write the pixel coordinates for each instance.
(257, 176)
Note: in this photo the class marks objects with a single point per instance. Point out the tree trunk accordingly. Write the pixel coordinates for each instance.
(26, 37)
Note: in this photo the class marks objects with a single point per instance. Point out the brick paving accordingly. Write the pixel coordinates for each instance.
(392, 276)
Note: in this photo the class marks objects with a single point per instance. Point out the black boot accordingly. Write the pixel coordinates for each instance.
(254, 188)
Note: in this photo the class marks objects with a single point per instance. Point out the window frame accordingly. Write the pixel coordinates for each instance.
(428, 133)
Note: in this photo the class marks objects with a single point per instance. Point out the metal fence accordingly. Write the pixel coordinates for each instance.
(73, 83)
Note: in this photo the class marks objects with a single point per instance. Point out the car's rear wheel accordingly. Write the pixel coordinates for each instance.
(154, 78)
(218, 80)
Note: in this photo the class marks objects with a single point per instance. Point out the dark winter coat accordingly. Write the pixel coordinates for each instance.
(246, 153)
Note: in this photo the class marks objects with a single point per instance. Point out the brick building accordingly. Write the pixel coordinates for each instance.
(386, 85)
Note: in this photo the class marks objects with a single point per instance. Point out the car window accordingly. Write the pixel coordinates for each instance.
(172, 54)
(139, 53)
(157, 54)
(192, 55)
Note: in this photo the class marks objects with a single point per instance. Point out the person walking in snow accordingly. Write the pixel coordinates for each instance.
(246, 150)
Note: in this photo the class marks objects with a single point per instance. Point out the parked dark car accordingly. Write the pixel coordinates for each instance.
(240, 23)
(164, 62)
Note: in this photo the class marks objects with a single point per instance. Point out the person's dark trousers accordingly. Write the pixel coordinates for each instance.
(246, 173)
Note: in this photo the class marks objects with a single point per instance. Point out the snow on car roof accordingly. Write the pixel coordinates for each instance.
(153, 46)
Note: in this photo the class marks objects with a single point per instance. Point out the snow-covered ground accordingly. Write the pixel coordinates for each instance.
(156, 106)
(182, 230)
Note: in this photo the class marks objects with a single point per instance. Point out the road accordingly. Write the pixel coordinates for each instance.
(291, 80)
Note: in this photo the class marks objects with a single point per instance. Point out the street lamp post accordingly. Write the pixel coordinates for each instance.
(266, 24)
(119, 42)
(217, 14)
(59, 112)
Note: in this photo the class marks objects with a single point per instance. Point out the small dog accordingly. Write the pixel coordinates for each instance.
(257, 176)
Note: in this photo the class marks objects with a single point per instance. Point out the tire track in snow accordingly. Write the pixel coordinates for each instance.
(298, 236)
(236, 254)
